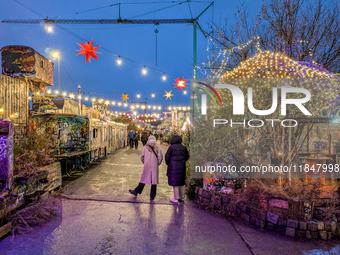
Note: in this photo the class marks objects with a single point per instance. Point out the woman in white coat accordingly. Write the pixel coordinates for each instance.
(151, 157)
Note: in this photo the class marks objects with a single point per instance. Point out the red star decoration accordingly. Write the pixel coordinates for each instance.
(88, 50)
(180, 83)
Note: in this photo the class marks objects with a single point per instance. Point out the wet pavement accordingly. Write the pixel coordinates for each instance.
(99, 216)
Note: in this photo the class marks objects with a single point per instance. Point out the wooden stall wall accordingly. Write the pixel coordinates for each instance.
(14, 100)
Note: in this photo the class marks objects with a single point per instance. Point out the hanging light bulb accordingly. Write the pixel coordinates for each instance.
(79, 97)
(64, 94)
(48, 91)
(86, 98)
(153, 94)
(56, 92)
(125, 104)
(144, 70)
(149, 106)
(113, 102)
(164, 77)
(119, 61)
(93, 99)
(184, 92)
(49, 28)
(138, 95)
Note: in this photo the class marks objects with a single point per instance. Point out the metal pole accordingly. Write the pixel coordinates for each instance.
(79, 99)
(289, 152)
(59, 73)
(195, 51)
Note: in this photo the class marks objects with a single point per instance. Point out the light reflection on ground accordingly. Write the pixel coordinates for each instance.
(333, 251)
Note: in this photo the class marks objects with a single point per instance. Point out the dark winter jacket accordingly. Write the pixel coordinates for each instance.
(136, 137)
(175, 158)
(144, 137)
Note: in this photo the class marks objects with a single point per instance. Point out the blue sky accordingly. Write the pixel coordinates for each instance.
(136, 42)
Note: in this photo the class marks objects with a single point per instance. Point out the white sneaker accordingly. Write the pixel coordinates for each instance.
(173, 200)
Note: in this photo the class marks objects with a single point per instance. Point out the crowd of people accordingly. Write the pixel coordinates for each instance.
(135, 137)
(176, 157)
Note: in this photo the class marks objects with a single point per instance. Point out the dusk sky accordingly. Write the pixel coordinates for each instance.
(103, 77)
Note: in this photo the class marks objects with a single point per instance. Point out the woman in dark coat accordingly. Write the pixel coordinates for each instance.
(144, 138)
(176, 158)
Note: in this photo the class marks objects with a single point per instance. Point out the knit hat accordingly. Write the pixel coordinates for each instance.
(151, 140)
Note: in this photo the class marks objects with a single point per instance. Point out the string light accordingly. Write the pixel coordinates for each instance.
(119, 61)
(164, 77)
(64, 94)
(79, 97)
(107, 102)
(49, 92)
(113, 102)
(138, 95)
(153, 95)
(144, 71)
(93, 99)
(86, 98)
(49, 28)
(56, 92)
(184, 92)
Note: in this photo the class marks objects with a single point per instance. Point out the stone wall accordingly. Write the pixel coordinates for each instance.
(269, 220)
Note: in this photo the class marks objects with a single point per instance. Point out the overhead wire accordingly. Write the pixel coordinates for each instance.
(83, 39)
(68, 74)
(161, 9)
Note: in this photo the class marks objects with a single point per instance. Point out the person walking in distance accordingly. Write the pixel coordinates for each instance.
(176, 158)
(151, 157)
(144, 138)
(130, 137)
(136, 140)
(161, 137)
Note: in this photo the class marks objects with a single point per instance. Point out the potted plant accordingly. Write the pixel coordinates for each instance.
(29, 157)
(26, 168)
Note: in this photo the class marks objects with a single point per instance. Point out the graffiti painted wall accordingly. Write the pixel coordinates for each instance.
(68, 133)
(22, 61)
(6, 151)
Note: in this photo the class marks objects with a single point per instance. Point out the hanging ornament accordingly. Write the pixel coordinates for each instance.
(125, 97)
(180, 83)
(168, 94)
(88, 50)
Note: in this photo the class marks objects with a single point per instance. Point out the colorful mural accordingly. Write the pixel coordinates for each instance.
(68, 133)
(22, 61)
(6, 151)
